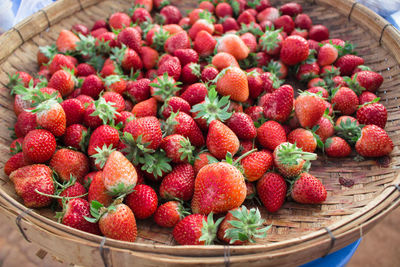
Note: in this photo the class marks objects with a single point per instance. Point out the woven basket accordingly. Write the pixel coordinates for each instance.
(300, 233)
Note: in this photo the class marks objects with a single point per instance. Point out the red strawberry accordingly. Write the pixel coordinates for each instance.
(327, 55)
(119, 20)
(66, 41)
(372, 113)
(175, 104)
(345, 101)
(366, 97)
(292, 9)
(15, 162)
(319, 90)
(190, 73)
(374, 142)
(69, 163)
(131, 38)
(270, 135)
(232, 44)
(71, 189)
(307, 71)
(242, 125)
(325, 128)
(294, 50)
(149, 57)
(195, 93)
(219, 187)
(279, 104)
(200, 25)
(142, 201)
(92, 86)
(75, 136)
(178, 184)
(303, 139)
(51, 116)
(177, 41)
(177, 148)
(145, 108)
(186, 56)
(84, 70)
(269, 13)
(290, 160)
(171, 14)
(138, 90)
(59, 61)
(103, 135)
(99, 24)
(62, 80)
(285, 22)
(255, 112)
(141, 15)
(256, 84)
(348, 63)
(232, 81)
(308, 190)
(124, 117)
(16, 145)
(246, 17)
(114, 83)
(30, 178)
(318, 33)
(39, 146)
(309, 109)
(221, 140)
(223, 10)
(223, 60)
(98, 192)
(271, 189)
(148, 128)
(256, 164)
(337, 147)
(229, 24)
(169, 214)
(74, 111)
(370, 80)
(172, 67)
(148, 4)
(204, 43)
(26, 122)
(201, 160)
(128, 58)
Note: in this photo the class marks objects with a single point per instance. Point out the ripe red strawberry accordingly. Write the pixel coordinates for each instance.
(292, 9)
(190, 73)
(15, 162)
(232, 44)
(369, 80)
(26, 122)
(290, 160)
(62, 81)
(195, 93)
(308, 190)
(145, 108)
(309, 109)
(318, 33)
(103, 135)
(142, 201)
(175, 104)
(16, 145)
(366, 97)
(177, 148)
(279, 104)
(256, 164)
(242, 125)
(119, 20)
(200, 25)
(270, 135)
(229, 24)
(74, 111)
(84, 70)
(372, 113)
(294, 50)
(66, 41)
(232, 81)
(204, 44)
(92, 86)
(59, 61)
(75, 136)
(148, 128)
(51, 116)
(124, 117)
(271, 189)
(201, 160)
(149, 57)
(269, 13)
(319, 90)
(169, 214)
(374, 142)
(39, 146)
(327, 55)
(348, 63)
(131, 38)
(285, 22)
(98, 192)
(138, 90)
(141, 15)
(67, 163)
(223, 10)
(114, 83)
(255, 112)
(74, 213)
(219, 187)
(70, 189)
(172, 67)
(170, 14)
(128, 58)
(325, 128)
(223, 60)
(303, 139)
(221, 140)
(307, 71)
(256, 84)
(30, 178)
(345, 101)
(186, 56)
(242, 226)
(178, 184)
(337, 147)
(177, 41)
(148, 4)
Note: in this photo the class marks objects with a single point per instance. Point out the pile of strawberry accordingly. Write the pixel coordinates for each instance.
(183, 118)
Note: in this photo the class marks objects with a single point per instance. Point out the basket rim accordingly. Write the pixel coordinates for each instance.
(387, 199)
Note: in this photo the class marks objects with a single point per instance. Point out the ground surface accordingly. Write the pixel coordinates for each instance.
(380, 247)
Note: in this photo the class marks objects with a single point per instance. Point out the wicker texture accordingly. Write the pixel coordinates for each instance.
(298, 233)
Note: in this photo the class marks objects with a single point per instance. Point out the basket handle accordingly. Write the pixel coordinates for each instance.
(18, 223)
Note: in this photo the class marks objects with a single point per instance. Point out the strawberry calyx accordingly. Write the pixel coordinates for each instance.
(132, 9)
(249, 28)
(375, 100)
(213, 107)
(159, 38)
(97, 210)
(49, 50)
(121, 190)
(166, 86)
(111, 79)
(156, 163)
(206, 15)
(247, 227)
(105, 110)
(118, 53)
(195, 68)
(354, 85)
(102, 154)
(347, 49)
(269, 40)
(209, 229)
(86, 46)
(169, 125)
(33, 94)
(135, 148)
(44, 106)
(17, 148)
(349, 131)
(186, 150)
(290, 154)
(363, 68)
(14, 81)
(146, 26)
(249, 62)
(274, 68)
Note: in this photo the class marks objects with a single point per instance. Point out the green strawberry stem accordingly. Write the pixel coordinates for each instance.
(59, 197)
(209, 229)
(290, 154)
(244, 155)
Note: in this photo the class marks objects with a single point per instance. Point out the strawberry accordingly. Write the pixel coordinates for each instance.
(92, 86)
(256, 84)
(308, 190)
(292, 9)
(170, 14)
(119, 20)
(372, 113)
(270, 135)
(148, 128)
(169, 214)
(229, 24)
(348, 63)
(131, 38)
(200, 25)
(15, 162)
(337, 147)
(75, 136)
(290, 160)
(374, 142)
(29, 180)
(26, 122)
(221, 140)
(138, 90)
(186, 56)
(345, 101)
(177, 41)
(178, 184)
(271, 42)
(327, 55)
(325, 128)
(114, 83)
(175, 104)
(39, 146)
(59, 61)
(269, 13)
(285, 23)
(208, 5)
(147, 4)
(223, 10)
(184, 124)
(141, 15)
(318, 33)
(145, 108)
(369, 80)
(242, 125)
(294, 50)
(319, 90)
(74, 111)
(51, 116)
(67, 163)
(128, 58)
(204, 43)
(190, 73)
(177, 148)
(256, 164)
(172, 67)
(201, 160)
(255, 112)
(232, 81)
(149, 57)
(99, 24)
(16, 145)
(279, 104)
(142, 201)
(196, 229)
(116, 221)
(98, 192)
(303, 139)
(242, 226)
(309, 109)
(119, 175)
(366, 97)
(232, 44)
(66, 41)
(80, 28)
(246, 18)
(219, 187)
(307, 71)
(103, 135)
(74, 213)
(271, 189)
(223, 60)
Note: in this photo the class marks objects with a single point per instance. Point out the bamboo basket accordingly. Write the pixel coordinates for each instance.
(300, 233)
